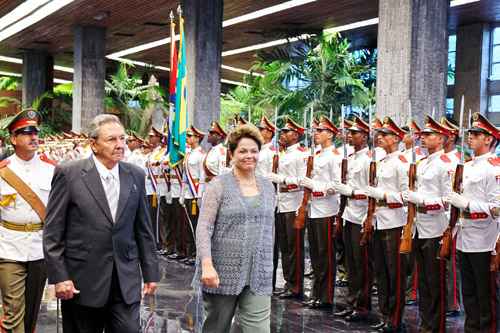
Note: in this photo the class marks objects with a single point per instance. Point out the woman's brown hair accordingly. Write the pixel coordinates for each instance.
(244, 131)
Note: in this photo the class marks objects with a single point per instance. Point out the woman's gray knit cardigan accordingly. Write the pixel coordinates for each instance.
(223, 234)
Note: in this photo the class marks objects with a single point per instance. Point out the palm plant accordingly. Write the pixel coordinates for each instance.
(321, 73)
(127, 94)
(8, 84)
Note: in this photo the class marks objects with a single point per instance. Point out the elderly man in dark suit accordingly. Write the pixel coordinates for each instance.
(97, 237)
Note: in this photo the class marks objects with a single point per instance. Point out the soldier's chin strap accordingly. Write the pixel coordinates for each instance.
(24, 190)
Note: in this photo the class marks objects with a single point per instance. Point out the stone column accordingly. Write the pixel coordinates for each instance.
(472, 68)
(412, 58)
(203, 27)
(38, 75)
(89, 75)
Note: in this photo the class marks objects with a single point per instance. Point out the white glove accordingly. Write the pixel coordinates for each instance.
(168, 197)
(291, 180)
(181, 200)
(457, 200)
(307, 182)
(343, 189)
(413, 197)
(375, 192)
(275, 178)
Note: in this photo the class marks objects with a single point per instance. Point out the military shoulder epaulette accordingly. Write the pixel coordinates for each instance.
(4, 163)
(222, 150)
(402, 158)
(418, 151)
(335, 151)
(302, 149)
(458, 155)
(273, 148)
(445, 158)
(495, 161)
(369, 153)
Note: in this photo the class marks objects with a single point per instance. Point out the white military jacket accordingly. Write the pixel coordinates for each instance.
(215, 161)
(194, 174)
(478, 229)
(154, 159)
(20, 245)
(326, 170)
(433, 183)
(358, 168)
(293, 163)
(265, 162)
(392, 177)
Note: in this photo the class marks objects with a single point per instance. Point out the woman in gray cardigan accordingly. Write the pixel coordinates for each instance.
(234, 240)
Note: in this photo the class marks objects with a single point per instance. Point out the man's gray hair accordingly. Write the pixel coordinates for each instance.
(101, 120)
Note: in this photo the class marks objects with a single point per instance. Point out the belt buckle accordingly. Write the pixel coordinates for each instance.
(28, 227)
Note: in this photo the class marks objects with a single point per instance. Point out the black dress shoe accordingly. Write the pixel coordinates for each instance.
(278, 291)
(389, 328)
(378, 325)
(190, 261)
(309, 302)
(356, 316)
(342, 313)
(290, 294)
(176, 256)
(411, 302)
(321, 305)
(309, 275)
(452, 313)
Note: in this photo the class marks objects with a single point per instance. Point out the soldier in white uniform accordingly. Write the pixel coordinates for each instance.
(323, 207)
(24, 188)
(156, 187)
(191, 190)
(358, 259)
(478, 228)
(433, 184)
(292, 167)
(267, 155)
(216, 159)
(408, 141)
(268, 151)
(454, 280)
(390, 217)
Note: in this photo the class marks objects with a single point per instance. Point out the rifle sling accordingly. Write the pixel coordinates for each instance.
(24, 191)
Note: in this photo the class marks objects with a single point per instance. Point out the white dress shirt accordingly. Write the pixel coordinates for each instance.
(105, 173)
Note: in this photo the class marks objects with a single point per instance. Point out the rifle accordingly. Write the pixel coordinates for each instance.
(276, 146)
(343, 178)
(447, 241)
(300, 218)
(406, 238)
(372, 202)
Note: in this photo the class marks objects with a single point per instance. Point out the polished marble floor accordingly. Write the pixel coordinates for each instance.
(177, 309)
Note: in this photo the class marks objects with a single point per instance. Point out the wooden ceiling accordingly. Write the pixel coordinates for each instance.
(133, 22)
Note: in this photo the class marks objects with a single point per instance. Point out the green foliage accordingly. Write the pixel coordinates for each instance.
(128, 96)
(320, 73)
(8, 84)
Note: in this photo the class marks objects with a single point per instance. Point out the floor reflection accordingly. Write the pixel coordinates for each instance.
(177, 309)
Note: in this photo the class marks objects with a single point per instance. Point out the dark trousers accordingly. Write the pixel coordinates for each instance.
(276, 250)
(166, 226)
(479, 292)
(431, 284)
(390, 273)
(154, 206)
(359, 268)
(190, 225)
(114, 317)
(453, 281)
(322, 252)
(291, 242)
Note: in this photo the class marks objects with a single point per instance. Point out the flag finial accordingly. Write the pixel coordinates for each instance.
(172, 15)
(179, 10)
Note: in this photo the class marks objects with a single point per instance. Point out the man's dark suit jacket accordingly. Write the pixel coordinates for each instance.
(81, 243)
